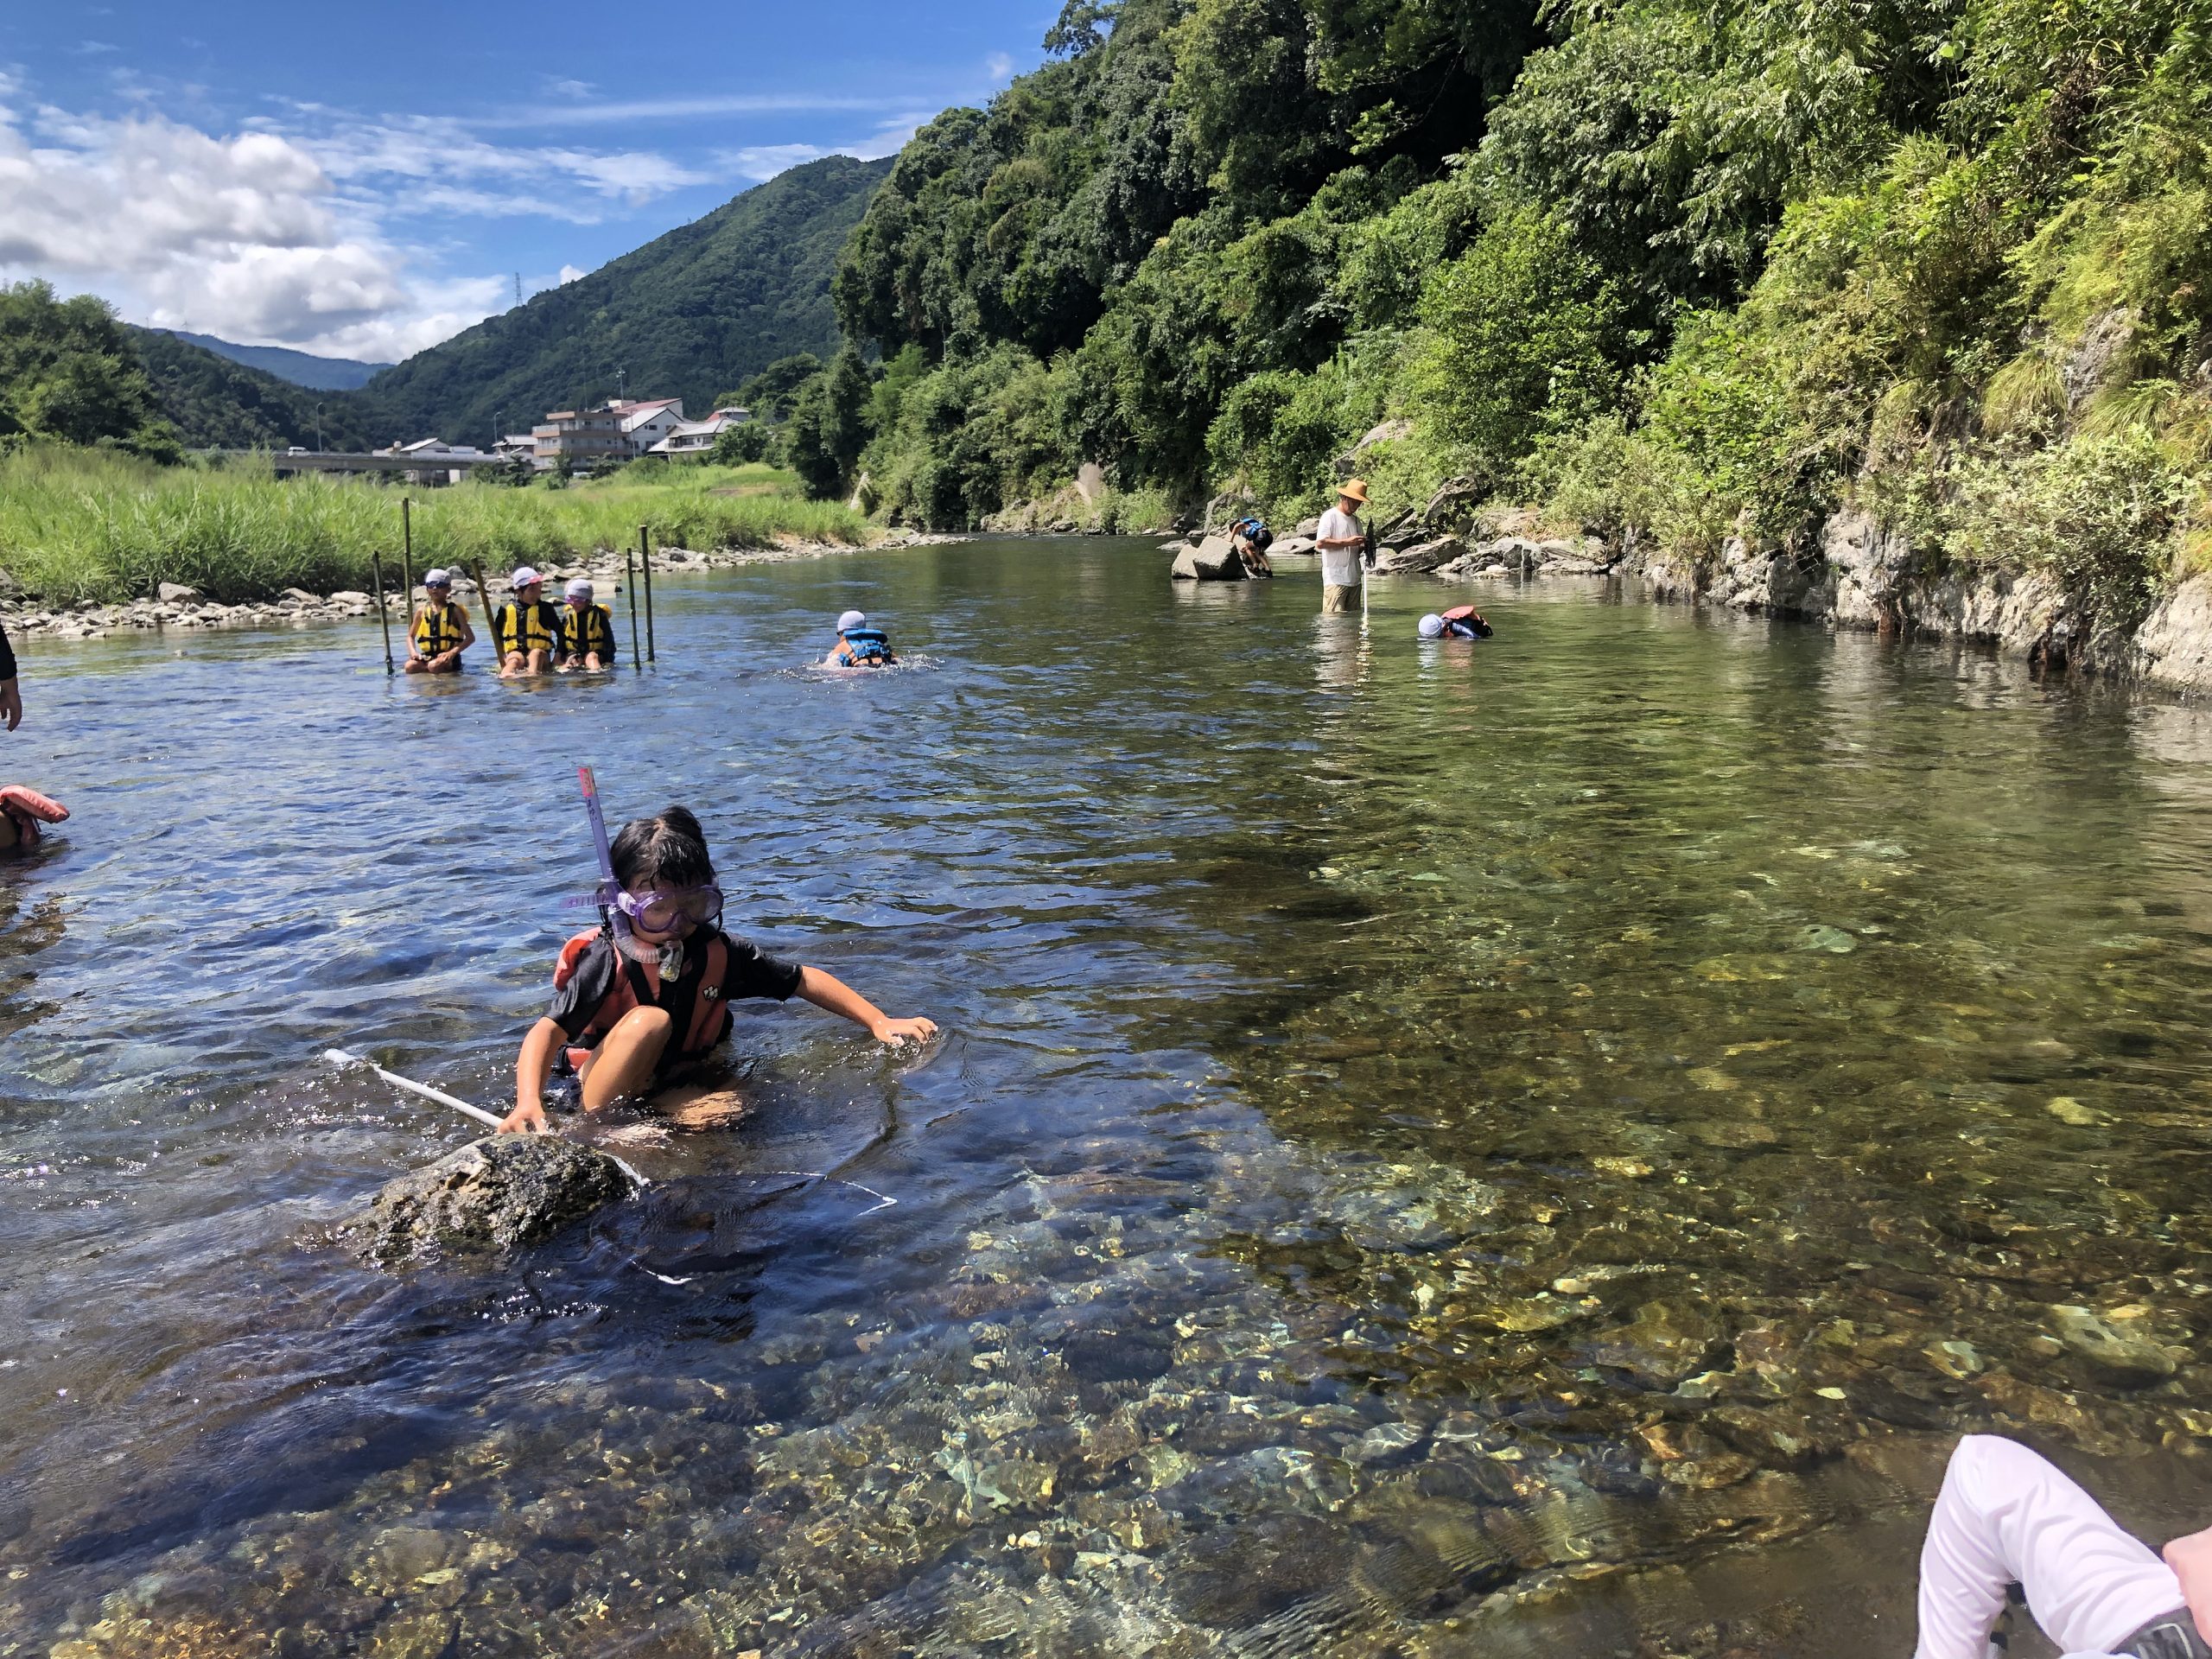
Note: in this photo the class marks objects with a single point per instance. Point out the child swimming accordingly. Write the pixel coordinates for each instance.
(639, 1003)
(860, 645)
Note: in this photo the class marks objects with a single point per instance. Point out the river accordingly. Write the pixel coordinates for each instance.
(1532, 1148)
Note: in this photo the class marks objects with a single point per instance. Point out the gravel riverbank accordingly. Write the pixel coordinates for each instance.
(181, 607)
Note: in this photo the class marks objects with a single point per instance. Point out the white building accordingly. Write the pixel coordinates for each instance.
(645, 422)
(695, 438)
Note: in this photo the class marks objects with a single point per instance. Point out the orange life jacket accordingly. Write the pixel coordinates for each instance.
(637, 984)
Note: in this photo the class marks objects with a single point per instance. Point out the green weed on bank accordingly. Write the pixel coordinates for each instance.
(78, 524)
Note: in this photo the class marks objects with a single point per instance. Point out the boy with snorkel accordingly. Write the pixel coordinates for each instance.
(640, 1002)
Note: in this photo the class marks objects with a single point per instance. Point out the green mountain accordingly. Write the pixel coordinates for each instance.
(689, 314)
(214, 402)
(300, 368)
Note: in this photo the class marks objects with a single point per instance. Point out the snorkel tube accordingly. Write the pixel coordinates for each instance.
(610, 913)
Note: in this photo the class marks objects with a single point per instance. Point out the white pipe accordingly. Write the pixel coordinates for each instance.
(340, 1057)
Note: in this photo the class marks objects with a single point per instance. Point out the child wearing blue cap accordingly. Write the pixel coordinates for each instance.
(860, 645)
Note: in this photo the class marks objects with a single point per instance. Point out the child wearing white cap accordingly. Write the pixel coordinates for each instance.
(439, 632)
(860, 645)
(529, 626)
(587, 632)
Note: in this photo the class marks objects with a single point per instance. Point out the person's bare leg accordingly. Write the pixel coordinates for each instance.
(513, 663)
(622, 1066)
(449, 663)
(540, 662)
(417, 665)
(591, 665)
(700, 1106)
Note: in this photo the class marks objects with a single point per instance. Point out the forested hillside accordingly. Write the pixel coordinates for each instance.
(217, 404)
(691, 315)
(1684, 268)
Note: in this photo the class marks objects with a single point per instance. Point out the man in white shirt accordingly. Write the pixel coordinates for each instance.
(1340, 541)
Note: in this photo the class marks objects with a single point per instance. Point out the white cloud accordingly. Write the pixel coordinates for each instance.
(761, 162)
(570, 273)
(280, 235)
(1000, 68)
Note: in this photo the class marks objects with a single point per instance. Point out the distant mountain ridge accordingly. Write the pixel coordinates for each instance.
(689, 314)
(217, 404)
(300, 368)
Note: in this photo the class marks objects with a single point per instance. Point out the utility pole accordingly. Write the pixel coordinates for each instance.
(318, 429)
(518, 289)
(621, 386)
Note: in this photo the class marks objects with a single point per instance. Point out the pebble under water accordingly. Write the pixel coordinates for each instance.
(1527, 1149)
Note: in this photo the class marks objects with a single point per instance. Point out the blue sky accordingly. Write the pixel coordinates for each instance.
(365, 182)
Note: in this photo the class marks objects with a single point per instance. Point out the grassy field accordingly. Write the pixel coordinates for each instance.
(76, 525)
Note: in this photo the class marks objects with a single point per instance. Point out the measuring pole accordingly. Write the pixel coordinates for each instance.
(630, 587)
(407, 546)
(376, 567)
(646, 563)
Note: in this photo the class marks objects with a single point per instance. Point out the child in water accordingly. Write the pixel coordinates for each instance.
(633, 1015)
(859, 646)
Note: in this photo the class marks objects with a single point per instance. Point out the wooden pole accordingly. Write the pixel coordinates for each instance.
(630, 587)
(491, 618)
(646, 563)
(376, 567)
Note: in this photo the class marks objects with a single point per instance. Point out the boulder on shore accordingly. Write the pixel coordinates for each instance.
(1212, 560)
(493, 1195)
(1420, 556)
(175, 593)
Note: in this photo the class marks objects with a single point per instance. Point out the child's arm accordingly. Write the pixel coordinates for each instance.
(467, 633)
(827, 992)
(533, 1068)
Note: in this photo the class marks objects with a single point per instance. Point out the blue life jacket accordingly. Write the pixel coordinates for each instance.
(865, 647)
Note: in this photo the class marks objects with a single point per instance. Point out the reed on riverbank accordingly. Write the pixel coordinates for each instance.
(78, 524)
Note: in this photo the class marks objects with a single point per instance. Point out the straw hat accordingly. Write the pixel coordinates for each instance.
(1356, 488)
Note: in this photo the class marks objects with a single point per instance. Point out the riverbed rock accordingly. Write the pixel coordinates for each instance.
(1664, 1343)
(1291, 547)
(1211, 560)
(175, 593)
(2128, 1361)
(493, 1195)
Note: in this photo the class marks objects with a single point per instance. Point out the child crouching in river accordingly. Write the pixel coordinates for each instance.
(634, 1018)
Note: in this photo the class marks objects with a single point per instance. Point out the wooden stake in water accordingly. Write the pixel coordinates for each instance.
(630, 587)
(646, 563)
(376, 568)
(491, 617)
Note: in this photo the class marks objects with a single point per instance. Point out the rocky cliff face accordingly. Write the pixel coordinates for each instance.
(1864, 577)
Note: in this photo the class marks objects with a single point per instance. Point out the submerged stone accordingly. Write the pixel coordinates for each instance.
(496, 1194)
(2130, 1362)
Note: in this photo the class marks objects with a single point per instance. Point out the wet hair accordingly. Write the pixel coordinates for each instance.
(669, 851)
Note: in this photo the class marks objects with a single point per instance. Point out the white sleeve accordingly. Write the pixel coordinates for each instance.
(2004, 1516)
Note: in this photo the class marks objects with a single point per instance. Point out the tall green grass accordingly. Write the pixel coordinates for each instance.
(78, 524)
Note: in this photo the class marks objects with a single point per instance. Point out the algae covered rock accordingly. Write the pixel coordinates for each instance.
(493, 1195)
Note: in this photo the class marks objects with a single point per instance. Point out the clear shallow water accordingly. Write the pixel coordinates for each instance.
(1437, 1149)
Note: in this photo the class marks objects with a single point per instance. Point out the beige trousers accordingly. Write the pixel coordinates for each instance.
(1337, 601)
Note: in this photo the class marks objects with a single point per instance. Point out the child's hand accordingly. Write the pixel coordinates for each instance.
(896, 1032)
(528, 1117)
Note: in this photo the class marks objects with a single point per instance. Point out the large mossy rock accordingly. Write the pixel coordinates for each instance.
(492, 1195)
